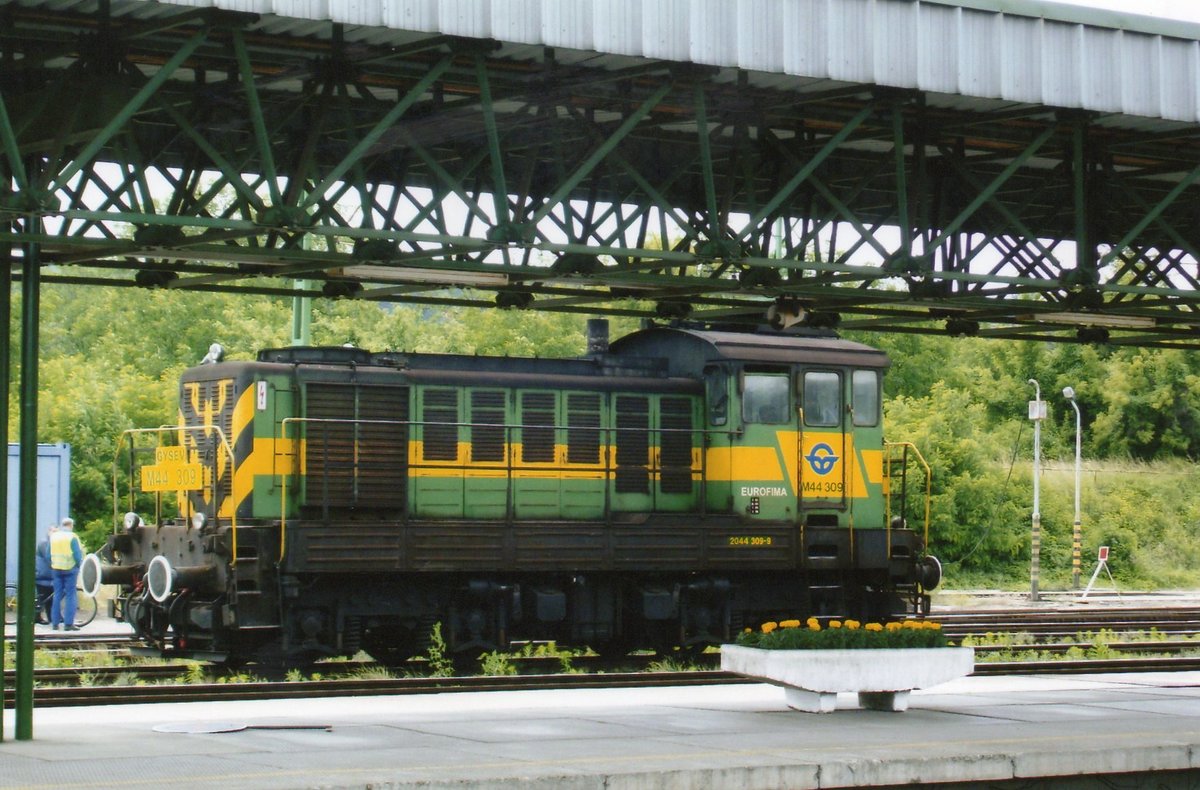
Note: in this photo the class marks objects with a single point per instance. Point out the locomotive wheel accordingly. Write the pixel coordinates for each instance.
(392, 647)
(613, 649)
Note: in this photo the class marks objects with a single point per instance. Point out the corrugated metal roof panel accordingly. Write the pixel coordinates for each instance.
(618, 26)
(469, 18)
(1178, 89)
(568, 23)
(712, 25)
(759, 35)
(519, 21)
(981, 53)
(938, 66)
(665, 29)
(1101, 80)
(1021, 64)
(357, 12)
(1059, 53)
(805, 44)
(895, 33)
(851, 29)
(410, 15)
(1140, 73)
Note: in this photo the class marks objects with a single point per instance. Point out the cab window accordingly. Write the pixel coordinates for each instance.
(765, 397)
(822, 401)
(865, 397)
(716, 380)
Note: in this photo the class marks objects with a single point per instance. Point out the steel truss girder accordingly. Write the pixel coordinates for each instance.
(222, 157)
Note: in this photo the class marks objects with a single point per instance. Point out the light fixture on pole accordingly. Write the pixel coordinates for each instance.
(1037, 413)
(1069, 394)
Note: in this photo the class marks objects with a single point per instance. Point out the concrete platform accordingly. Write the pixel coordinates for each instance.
(986, 730)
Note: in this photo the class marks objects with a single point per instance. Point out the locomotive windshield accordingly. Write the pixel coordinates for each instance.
(822, 404)
(865, 397)
(765, 397)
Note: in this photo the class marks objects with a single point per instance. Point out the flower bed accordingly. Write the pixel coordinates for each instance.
(843, 635)
(882, 664)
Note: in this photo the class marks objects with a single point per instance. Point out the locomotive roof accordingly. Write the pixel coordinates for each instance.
(684, 348)
(653, 352)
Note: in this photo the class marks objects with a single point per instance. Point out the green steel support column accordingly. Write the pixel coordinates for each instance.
(808, 169)
(1083, 252)
(302, 317)
(370, 138)
(499, 182)
(5, 320)
(231, 174)
(706, 163)
(901, 180)
(597, 156)
(256, 118)
(12, 151)
(302, 308)
(27, 537)
(84, 157)
(993, 187)
(1151, 216)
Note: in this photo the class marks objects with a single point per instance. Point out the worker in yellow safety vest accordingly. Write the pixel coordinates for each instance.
(65, 557)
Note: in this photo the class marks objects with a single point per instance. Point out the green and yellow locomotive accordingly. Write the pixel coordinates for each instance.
(662, 492)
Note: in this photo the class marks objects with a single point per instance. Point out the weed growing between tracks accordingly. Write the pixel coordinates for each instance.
(1102, 644)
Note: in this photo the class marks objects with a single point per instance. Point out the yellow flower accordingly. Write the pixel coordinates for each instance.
(789, 623)
(933, 626)
(835, 623)
(874, 627)
(747, 630)
(913, 624)
(769, 627)
(813, 623)
(853, 625)
(894, 626)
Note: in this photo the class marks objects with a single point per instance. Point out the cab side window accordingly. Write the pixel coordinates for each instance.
(865, 397)
(717, 384)
(765, 397)
(822, 399)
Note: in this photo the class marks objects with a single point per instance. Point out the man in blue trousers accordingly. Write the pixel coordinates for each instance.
(65, 557)
(44, 580)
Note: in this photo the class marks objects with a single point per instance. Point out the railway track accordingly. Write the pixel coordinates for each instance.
(1038, 622)
(1049, 632)
(64, 696)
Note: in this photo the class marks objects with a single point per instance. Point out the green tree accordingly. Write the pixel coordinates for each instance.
(1150, 408)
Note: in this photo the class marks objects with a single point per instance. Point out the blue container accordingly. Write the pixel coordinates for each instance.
(53, 495)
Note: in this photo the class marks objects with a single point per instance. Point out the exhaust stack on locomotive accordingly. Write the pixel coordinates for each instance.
(664, 491)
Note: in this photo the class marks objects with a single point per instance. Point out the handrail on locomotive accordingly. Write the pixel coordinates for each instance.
(222, 446)
(887, 494)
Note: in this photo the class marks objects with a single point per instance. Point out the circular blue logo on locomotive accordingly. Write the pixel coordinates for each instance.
(821, 458)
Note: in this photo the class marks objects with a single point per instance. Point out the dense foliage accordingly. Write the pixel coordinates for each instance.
(110, 360)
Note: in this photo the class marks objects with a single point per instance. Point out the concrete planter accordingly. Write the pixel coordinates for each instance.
(882, 678)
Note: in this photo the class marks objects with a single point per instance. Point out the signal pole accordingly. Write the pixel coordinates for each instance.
(1076, 535)
(1037, 413)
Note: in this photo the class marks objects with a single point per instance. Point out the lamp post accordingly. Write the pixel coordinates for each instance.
(1037, 413)
(1069, 394)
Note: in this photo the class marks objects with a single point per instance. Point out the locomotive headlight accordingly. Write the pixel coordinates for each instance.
(198, 520)
(132, 521)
